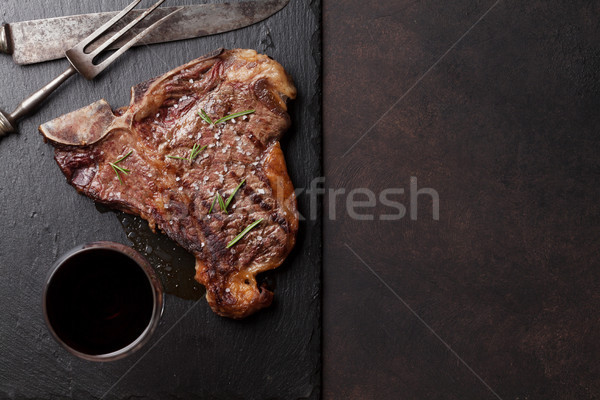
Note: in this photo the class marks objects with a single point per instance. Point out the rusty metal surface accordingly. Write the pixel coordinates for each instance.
(505, 128)
(47, 39)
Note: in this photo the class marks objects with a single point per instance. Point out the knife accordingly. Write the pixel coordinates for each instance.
(40, 40)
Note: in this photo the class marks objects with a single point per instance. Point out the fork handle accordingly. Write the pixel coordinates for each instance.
(8, 122)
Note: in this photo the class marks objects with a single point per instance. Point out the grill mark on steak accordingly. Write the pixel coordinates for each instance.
(175, 196)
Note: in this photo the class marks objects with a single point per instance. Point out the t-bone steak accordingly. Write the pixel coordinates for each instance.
(149, 159)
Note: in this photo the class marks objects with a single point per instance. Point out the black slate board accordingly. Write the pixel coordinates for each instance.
(194, 354)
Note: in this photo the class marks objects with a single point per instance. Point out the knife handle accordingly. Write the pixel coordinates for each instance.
(5, 44)
(8, 122)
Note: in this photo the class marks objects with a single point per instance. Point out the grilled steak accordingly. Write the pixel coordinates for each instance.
(127, 159)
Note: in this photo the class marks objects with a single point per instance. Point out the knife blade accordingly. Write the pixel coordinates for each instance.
(47, 39)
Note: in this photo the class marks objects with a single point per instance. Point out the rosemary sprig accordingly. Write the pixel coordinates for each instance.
(196, 149)
(231, 116)
(118, 169)
(209, 121)
(244, 232)
(124, 157)
(221, 203)
(212, 205)
(205, 117)
(233, 194)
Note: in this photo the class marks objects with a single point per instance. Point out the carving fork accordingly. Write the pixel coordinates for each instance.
(83, 63)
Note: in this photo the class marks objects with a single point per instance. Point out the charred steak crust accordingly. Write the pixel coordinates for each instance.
(176, 195)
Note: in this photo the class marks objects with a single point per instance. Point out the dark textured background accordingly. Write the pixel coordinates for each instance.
(506, 129)
(273, 355)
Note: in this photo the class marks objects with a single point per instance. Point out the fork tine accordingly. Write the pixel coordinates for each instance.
(105, 63)
(96, 34)
(125, 29)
